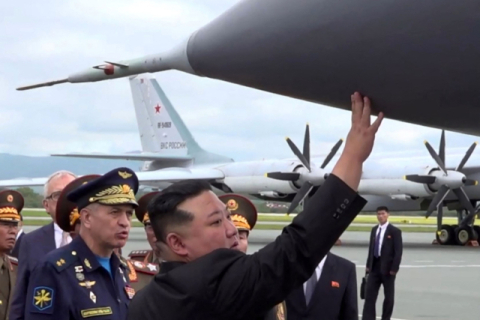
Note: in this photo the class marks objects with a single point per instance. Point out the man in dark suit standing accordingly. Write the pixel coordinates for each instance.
(330, 293)
(18, 241)
(36, 244)
(201, 277)
(384, 257)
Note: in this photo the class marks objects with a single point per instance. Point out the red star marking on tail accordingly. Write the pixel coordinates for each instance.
(157, 108)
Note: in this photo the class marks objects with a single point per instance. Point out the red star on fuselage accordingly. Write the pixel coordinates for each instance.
(157, 108)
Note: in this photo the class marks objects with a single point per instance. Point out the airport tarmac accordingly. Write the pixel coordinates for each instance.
(434, 282)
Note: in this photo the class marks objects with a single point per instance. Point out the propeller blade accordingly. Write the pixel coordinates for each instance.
(287, 176)
(306, 144)
(462, 196)
(470, 182)
(466, 157)
(441, 194)
(441, 150)
(297, 152)
(301, 194)
(439, 216)
(435, 156)
(332, 153)
(420, 179)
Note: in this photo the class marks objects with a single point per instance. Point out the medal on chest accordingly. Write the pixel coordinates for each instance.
(130, 292)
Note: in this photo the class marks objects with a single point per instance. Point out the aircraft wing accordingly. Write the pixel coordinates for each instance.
(144, 156)
(178, 174)
(169, 175)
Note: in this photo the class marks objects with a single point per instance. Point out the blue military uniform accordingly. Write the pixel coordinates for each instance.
(71, 282)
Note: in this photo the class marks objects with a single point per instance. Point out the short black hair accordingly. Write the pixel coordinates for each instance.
(162, 209)
(382, 208)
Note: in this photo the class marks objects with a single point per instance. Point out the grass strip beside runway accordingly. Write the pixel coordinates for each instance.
(407, 224)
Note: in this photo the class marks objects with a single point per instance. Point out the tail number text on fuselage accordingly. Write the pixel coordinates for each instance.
(164, 125)
(173, 145)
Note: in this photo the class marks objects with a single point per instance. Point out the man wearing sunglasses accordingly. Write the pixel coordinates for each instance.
(36, 244)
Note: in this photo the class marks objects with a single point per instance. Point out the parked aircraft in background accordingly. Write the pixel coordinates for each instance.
(171, 154)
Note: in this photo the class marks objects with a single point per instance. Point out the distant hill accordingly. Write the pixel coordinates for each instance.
(19, 166)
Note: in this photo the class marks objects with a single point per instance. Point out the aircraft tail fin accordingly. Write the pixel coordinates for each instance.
(162, 130)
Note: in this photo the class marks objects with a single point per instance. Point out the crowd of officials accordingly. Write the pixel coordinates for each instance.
(196, 266)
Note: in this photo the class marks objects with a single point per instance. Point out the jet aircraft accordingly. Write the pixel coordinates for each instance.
(170, 153)
(417, 60)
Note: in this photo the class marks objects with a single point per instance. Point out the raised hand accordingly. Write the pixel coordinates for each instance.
(359, 143)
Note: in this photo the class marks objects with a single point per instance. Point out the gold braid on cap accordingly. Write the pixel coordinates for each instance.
(240, 222)
(74, 215)
(114, 194)
(9, 213)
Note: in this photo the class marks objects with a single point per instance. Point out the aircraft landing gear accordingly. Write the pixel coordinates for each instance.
(460, 234)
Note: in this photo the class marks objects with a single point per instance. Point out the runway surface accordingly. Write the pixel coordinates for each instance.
(434, 282)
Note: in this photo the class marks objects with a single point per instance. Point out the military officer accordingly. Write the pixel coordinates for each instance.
(86, 278)
(11, 204)
(244, 216)
(146, 256)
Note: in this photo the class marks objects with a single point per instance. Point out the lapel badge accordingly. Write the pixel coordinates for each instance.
(389, 236)
(87, 284)
(93, 297)
(87, 263)
(78, 269)
(80, 276)
(130, 292)
(335, 284)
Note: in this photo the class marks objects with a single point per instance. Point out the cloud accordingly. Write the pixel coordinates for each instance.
(49, 40)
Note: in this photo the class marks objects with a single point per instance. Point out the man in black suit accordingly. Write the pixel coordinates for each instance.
(203, 278)
(383, 262)
(19, 238)
(36, 244)
(330, 293)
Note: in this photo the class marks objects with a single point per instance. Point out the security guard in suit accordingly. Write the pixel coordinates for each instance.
(146, 256)
(86, 278)
(11, 204)
(244, 217)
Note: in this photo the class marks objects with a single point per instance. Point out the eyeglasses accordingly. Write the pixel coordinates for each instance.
(54, 196)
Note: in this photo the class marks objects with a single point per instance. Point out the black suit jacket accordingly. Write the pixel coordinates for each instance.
(391, 251)
(33, 248)
(329, 301)
(16, 248)
(228, 284)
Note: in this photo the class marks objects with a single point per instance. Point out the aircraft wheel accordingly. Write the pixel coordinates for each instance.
(446, 236)
(463, 235)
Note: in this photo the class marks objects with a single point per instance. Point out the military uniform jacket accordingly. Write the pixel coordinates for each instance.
(228, 284)
(71, 284)
(140, 274)
(8, 277)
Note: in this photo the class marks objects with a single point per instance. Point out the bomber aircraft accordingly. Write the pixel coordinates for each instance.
(170, 153)
(417, 60)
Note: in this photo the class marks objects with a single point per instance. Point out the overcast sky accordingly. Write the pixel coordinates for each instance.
(47, 40)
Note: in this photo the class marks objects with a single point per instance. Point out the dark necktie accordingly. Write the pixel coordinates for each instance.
(377, 244)
(311, 283)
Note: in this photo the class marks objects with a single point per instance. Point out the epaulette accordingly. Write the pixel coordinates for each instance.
(62, 259)
(139, 253)
(147, 268)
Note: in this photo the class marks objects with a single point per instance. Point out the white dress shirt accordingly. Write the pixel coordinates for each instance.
(59, 235)
(18, 234)
(318, 271)
(382, 229)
